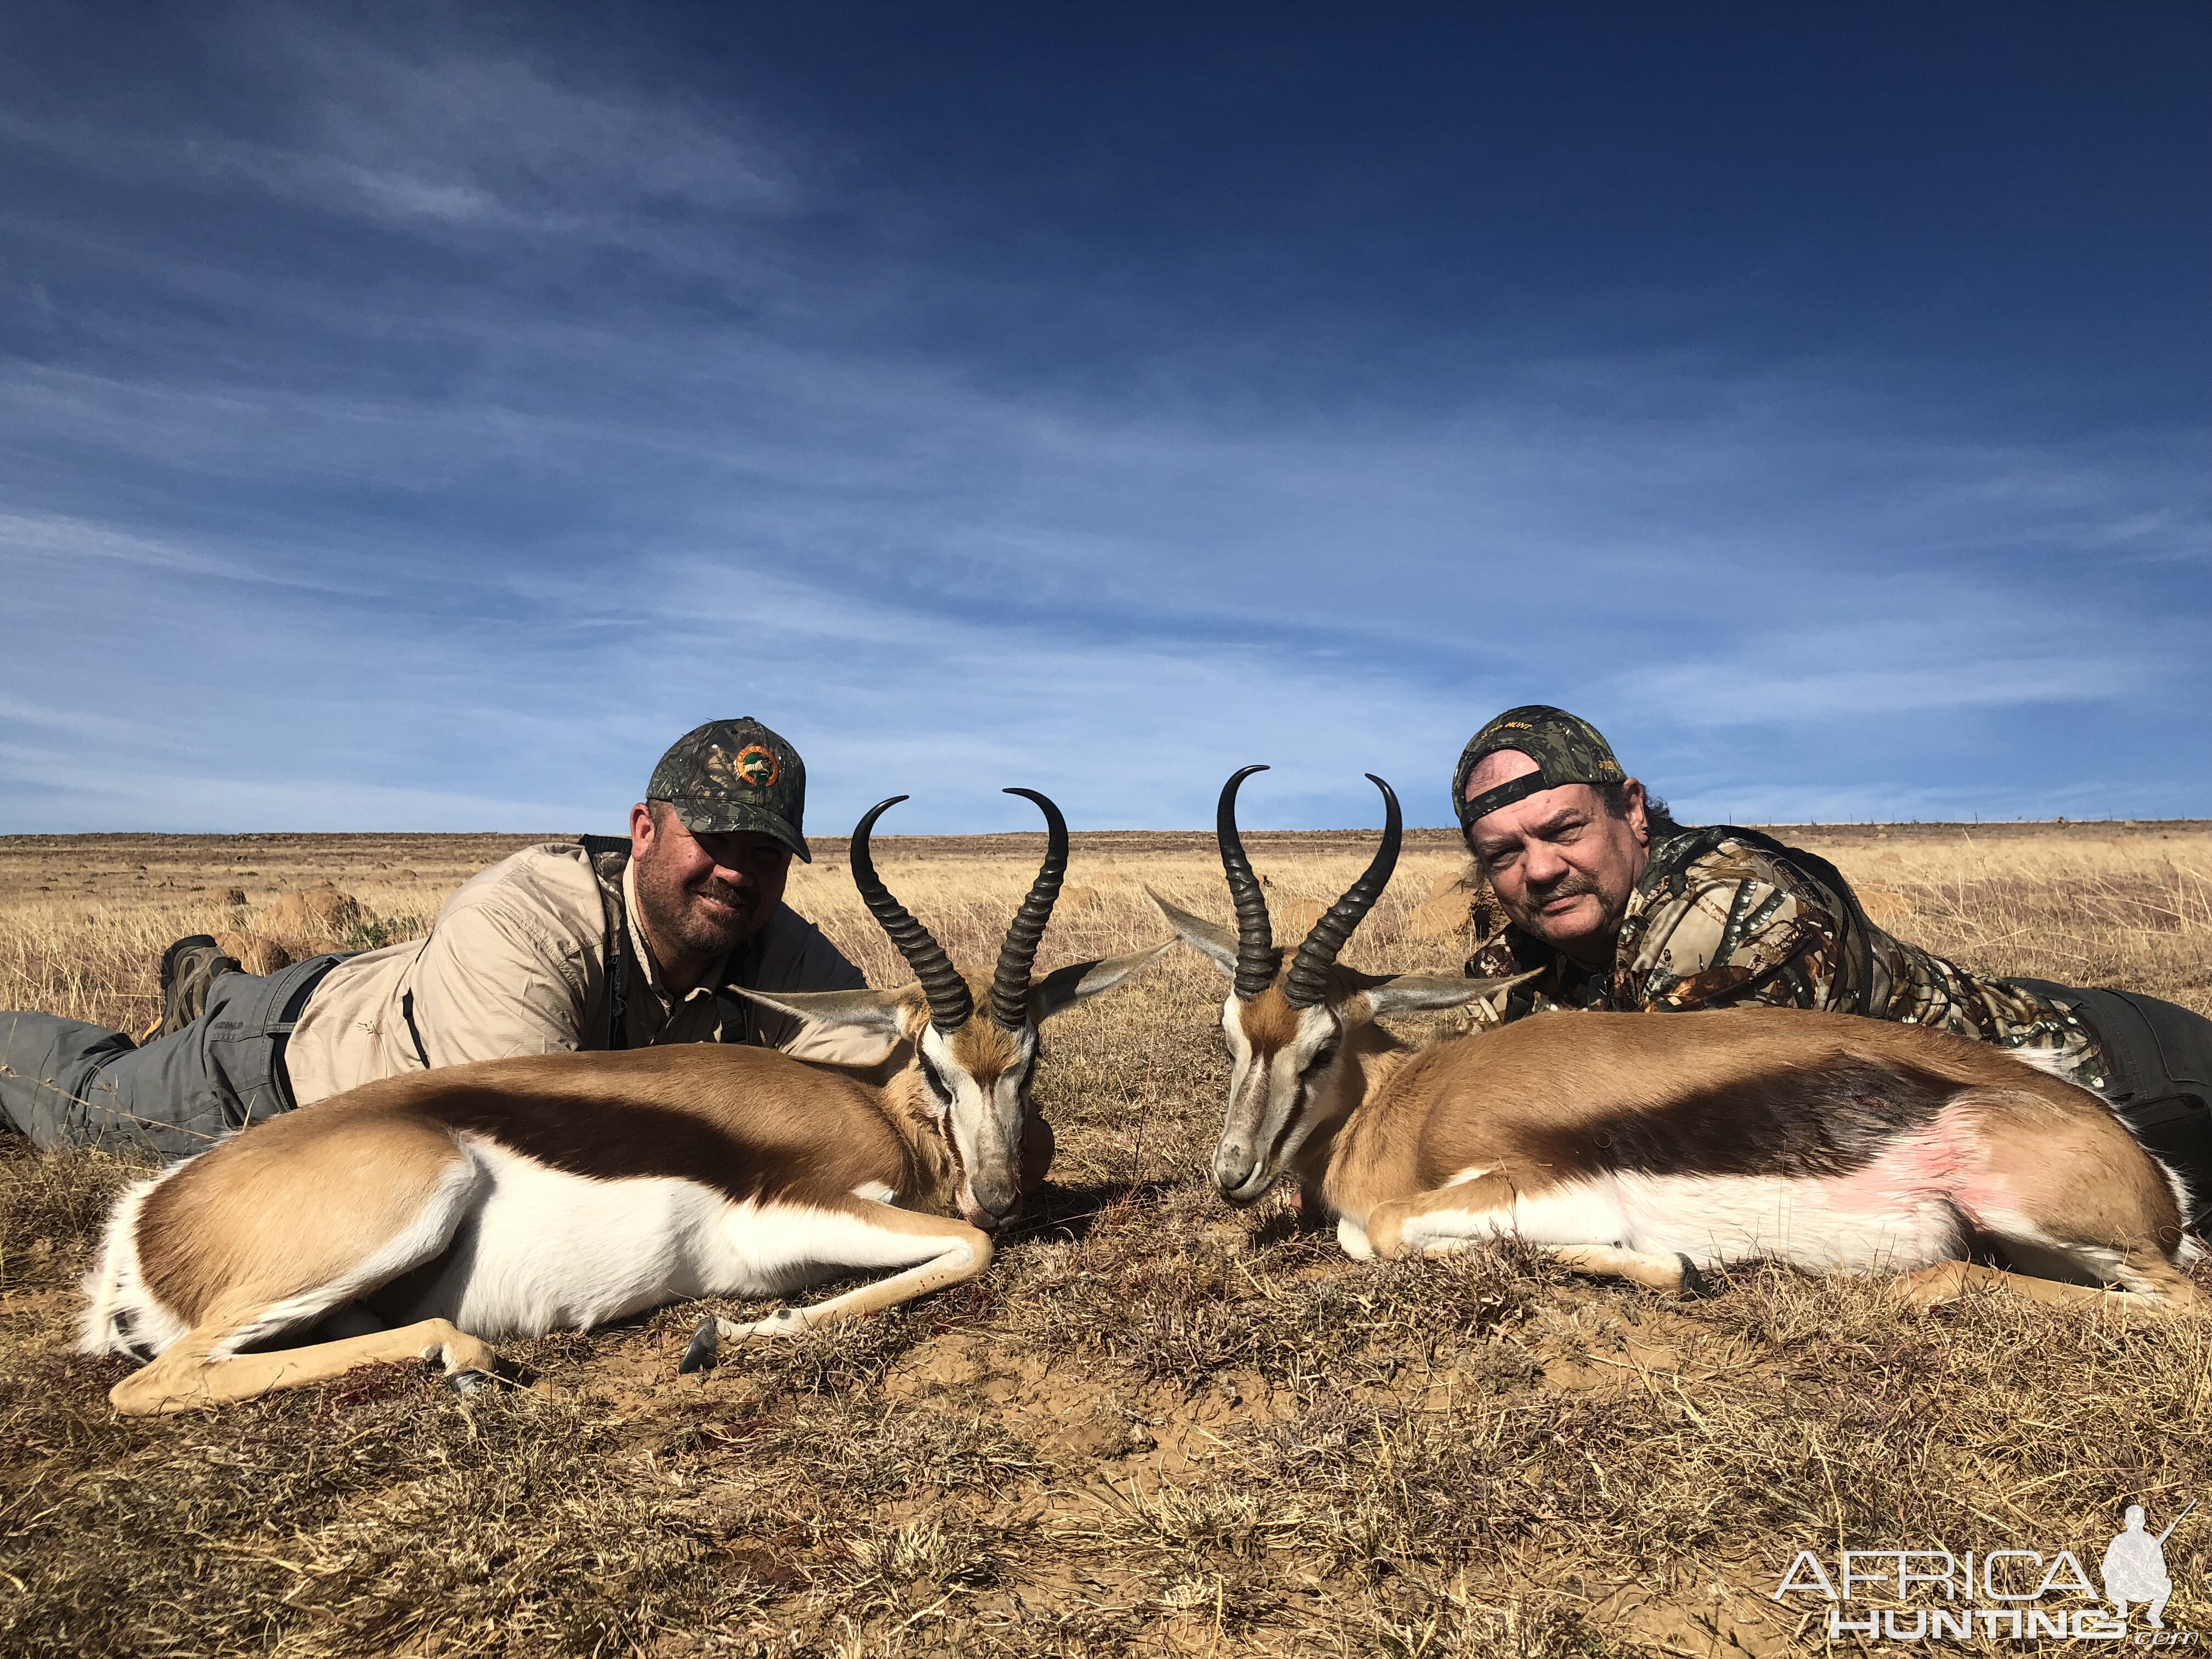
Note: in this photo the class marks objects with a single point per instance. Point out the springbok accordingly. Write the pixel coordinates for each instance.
(419, 1216)
(1654, 1147)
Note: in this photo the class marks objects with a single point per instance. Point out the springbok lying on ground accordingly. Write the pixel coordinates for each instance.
(1654, 1146)
(419, 1216)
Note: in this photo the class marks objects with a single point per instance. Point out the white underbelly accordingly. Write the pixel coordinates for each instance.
(1824, 1227)
(1889, 1217)
(546, 1250)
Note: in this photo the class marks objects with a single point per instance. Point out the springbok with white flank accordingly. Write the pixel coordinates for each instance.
(421, 1215)
(1656, 1147)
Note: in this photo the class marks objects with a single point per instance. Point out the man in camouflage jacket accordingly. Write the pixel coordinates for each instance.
(1620, 907)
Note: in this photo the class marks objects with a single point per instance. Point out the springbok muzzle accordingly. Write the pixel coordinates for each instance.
(1240, 1175)
(998, 1197)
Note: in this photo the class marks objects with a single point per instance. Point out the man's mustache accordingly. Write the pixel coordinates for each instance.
(1570, 885)
(737, 898)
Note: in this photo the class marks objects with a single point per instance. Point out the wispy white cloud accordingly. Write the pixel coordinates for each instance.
(438, 142)
(1127, 629)
(158, 797)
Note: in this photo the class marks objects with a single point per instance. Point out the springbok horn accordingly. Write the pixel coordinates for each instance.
(1307, 983)
(1255, 943)
(1010, 987)
(950, 1004)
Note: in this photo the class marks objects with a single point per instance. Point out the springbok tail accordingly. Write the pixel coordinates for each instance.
(112, 1290)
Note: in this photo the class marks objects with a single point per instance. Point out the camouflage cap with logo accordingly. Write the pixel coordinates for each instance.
(1566, 749)
(731, 776)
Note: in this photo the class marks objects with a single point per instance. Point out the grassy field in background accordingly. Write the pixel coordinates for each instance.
(1157, 1425)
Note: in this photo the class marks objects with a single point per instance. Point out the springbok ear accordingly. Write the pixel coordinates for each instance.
(1217, 944)
(1415, 994)
(881, 1011)
(1065, 986)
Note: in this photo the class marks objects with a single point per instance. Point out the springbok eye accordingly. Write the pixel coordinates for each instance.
(1323, 1058)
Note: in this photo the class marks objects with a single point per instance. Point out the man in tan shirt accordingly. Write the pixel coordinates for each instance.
(566, 945)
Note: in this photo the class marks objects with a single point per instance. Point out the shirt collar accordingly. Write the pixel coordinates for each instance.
(654, 979)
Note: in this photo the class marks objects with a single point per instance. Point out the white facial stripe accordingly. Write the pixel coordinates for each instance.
(1266, 1101)
(1232, 1029)
(1280, 1132)
(959, 1124)
(986, 1132)
(1240, 1065)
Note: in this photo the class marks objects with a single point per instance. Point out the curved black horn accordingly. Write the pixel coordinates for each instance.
(1255, 943)
(1010, 987)
(1307, 982)
(950, 1002)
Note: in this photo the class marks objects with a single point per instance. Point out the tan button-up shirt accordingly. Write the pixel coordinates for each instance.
(517, 964)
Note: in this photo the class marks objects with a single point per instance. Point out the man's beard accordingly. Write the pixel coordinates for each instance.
(672, 913)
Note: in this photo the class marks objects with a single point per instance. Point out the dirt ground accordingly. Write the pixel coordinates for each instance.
(1157, 1425)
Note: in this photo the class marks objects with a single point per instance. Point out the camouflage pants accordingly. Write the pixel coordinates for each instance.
(63, 1082)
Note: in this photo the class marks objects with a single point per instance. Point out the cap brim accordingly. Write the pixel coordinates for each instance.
(726, 819)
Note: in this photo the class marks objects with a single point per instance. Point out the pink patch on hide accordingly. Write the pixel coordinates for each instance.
(1946, 1163)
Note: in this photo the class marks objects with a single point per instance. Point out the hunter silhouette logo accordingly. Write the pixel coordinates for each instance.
(1934, 1595)
(2134, 1566)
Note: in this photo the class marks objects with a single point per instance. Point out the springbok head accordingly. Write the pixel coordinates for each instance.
(976, 1070)
(1291, 1027)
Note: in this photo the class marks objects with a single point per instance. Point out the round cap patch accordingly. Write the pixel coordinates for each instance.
(756, 764)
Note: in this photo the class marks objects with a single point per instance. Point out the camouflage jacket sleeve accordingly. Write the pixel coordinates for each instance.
(1717, 925)
(1558, 983)
(1724, 917)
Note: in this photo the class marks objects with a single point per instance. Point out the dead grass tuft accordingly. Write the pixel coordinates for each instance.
(52, 1209)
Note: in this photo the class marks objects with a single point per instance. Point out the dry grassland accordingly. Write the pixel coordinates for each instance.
(1157, 1426)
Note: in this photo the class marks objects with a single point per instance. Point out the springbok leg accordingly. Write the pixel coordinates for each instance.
(2075, 1203)
(1568, 1222)
(1955, 1281)
(935, 1251)
(1675, 1275)
(185, 1378)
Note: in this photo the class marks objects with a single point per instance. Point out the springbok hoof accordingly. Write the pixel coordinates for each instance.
(465, 1383)
(1695, 1285)
(705, 1347)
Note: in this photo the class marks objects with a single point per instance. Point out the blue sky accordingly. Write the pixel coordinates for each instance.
(415, 419)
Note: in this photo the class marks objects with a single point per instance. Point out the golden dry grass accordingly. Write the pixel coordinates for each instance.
(1157, 1426)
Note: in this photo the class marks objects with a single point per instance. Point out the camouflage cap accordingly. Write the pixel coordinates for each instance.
(731, 776)
(1566, 749)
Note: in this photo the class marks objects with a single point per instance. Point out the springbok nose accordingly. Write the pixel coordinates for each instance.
(999, 1197)
(1234, 1165)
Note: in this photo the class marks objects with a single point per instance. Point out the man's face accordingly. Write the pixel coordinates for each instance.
(704, 895)
(1563, 866)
